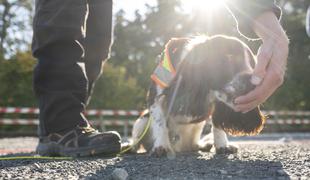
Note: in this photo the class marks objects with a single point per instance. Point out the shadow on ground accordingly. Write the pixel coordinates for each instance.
(26, 159)
(194, 166)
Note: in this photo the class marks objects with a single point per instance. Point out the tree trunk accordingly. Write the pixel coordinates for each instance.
(5, 25)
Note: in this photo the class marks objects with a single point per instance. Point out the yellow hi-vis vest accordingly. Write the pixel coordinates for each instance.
(164, 72)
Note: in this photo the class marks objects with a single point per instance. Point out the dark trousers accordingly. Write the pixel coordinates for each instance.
(71, 41)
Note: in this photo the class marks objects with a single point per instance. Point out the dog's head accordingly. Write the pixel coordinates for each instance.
(219, 66)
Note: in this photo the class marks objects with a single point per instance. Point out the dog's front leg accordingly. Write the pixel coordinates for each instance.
(221, 142)
(160, 130)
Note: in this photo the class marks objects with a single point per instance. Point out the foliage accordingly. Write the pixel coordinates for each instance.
(15, 25)
(137, 43)
(295, 94)
(115, 91)
(16, 81)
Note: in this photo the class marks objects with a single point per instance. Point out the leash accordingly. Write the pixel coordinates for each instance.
(34, 158)
(140, 138)
(71, 158)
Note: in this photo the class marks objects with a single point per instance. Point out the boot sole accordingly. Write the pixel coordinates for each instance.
(53, 149)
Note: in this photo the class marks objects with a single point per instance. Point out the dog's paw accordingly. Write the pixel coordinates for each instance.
(206, 147)
(159, 151)
(230, 149)
(128, 148)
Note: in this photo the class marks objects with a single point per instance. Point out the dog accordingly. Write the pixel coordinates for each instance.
(196, 82)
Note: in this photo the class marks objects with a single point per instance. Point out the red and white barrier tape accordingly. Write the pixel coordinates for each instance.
(288, 121)
(112, 113)
(287, 113)
(94, 112)
(112, 122)
(36, 122)
(19, 122)
(14, 110)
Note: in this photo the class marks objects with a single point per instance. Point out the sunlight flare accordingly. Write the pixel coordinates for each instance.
(207, 6)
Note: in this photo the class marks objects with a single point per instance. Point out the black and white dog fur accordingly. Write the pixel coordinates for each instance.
(210, 73)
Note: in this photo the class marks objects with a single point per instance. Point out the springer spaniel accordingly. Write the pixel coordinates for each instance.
(197, 81)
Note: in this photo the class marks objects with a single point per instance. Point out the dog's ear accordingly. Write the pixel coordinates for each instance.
(236, 123)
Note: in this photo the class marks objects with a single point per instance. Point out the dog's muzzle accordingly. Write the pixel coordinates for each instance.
(240, 85)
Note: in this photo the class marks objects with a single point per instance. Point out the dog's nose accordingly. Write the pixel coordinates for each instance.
(230, 89)
(240, 85)
(243, 84)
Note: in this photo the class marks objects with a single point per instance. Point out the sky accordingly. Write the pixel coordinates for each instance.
(130, 6)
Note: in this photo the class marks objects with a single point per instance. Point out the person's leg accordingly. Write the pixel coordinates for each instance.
(98, 39)
(61, 84)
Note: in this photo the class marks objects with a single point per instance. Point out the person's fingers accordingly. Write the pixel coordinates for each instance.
(244, 108)
(263, 58)
(256, 80)
(249, 97)
(250, 100)
(269, 71)
(250, 104)
(260, 93)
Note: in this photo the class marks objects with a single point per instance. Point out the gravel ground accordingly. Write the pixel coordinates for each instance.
(265, 158)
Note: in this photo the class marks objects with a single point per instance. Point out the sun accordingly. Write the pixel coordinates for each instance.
(207, 6)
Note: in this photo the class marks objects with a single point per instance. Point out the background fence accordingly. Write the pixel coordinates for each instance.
(23, 121)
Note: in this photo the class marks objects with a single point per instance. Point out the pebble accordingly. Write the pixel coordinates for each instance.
(171, 156)
(297, 174)
(294, 178)
(263, 161)
(239, 172)
(8, 176)
(285, 140)
(231, 157)
(223, 172)
(72, 177)
(119, 174)
(304, 178)
(37, 165)
(281, 172)
(245, 155)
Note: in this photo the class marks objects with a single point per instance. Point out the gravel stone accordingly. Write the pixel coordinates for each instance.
(231, 156)
(223, 172)
(119, 174)
(281, 172)
(259, 159)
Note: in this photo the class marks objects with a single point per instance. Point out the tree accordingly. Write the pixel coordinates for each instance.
(15, 24)
(16, 81)
(137, 44)
(115, 91)
(295, 94)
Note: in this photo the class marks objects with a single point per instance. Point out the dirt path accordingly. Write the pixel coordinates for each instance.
(265, 158)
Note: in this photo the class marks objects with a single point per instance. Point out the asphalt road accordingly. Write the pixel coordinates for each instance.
(276, 156)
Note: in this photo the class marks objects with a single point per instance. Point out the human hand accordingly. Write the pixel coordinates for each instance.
(270, 69)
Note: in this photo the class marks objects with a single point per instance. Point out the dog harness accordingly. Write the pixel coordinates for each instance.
(164, 72)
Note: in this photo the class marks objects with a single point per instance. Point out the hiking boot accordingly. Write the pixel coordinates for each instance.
(80, 142)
